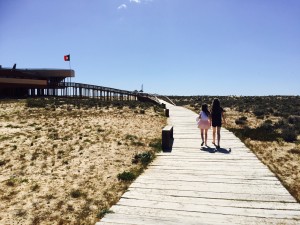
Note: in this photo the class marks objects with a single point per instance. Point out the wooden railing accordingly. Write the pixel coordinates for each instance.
(94, 87)
(79, 90)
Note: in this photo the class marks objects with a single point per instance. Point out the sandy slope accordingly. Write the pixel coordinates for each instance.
(61, 167)
(283, 158)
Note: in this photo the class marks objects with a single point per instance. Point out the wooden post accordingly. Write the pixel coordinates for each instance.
(166, 112)
(167, 138)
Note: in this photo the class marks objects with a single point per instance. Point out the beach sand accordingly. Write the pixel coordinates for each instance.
(61, 166)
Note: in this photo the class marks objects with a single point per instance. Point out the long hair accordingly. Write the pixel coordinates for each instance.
(204, 109)
(216, 107)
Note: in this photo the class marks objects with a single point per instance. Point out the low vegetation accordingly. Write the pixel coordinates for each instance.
(64, 161)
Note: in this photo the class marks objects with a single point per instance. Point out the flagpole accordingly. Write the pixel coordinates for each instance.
(68, 58)
(70, 63)
(70, 67)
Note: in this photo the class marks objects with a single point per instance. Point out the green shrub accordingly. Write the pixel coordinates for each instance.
(36, 102)
(266, 126)
(268, 122)
(145, 158)
(241, 121)
(295, 151)
(130, 137)
(293, 119)
(271, 110)
(289, 134)
(156, 144)
(76, 193)
(21, 213)
(262, 133)
(35, 155)
(138, 143)
(11, 182)
(53, 135)
(3, 162)
(34, 187)
(281, 123)
(102, 213)
(126, 176)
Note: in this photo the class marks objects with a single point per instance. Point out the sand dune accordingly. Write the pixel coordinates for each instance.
(61, 167)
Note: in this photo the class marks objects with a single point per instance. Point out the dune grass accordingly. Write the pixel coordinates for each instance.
(60, 162)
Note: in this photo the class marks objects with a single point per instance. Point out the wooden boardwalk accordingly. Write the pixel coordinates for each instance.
(191, 185)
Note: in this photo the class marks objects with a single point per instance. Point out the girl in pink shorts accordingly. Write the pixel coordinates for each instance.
(204, 123)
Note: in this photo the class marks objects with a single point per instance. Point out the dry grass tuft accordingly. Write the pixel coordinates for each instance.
(295, 150)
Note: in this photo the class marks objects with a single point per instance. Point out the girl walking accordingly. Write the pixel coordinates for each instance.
(204, 123)
(217, 116)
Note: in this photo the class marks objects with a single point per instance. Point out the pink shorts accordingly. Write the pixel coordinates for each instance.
(204, 124)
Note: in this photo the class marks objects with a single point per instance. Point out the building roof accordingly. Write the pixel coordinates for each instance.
(36, 73)
(12, 77)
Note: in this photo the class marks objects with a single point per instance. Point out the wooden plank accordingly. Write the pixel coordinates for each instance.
(208, 179)
(217, 195)
(208, 162)
(148, 219)
(189, 207)
(214, 187)
(218, 161)
(247, 174)
(214, 202)
(217, 166)
(207, 182)
(222, 177)
(119, 221)
(123, 218)
(211, 217)
(204, 155)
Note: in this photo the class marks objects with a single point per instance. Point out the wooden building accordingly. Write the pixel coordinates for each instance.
(22, 83)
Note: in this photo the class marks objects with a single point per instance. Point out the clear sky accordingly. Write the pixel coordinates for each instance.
(174, 47)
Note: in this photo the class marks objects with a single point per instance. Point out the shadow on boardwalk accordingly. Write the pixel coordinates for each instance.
(214, 150)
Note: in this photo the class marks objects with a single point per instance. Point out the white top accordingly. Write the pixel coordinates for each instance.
(203, 116)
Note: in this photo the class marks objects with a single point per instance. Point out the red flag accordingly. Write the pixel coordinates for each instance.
(67, 57)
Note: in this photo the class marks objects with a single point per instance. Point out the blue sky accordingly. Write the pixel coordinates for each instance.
(173, 47)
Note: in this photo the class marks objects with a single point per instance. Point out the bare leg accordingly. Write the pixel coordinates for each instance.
(202, 137)
(219, 135)
(205, 136)
(214, 135)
